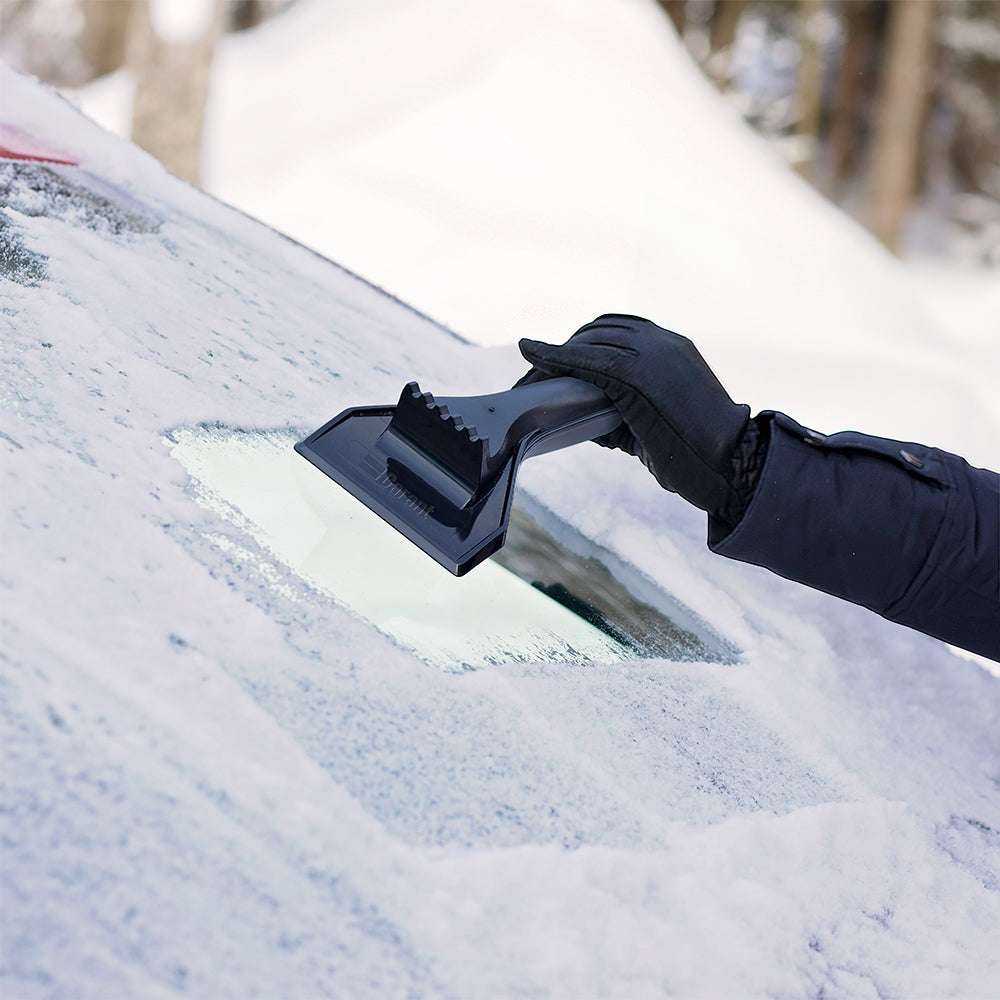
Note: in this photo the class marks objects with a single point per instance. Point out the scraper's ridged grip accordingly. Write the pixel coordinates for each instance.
(442, 435)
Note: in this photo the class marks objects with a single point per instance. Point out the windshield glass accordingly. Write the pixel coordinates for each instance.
(538, 600)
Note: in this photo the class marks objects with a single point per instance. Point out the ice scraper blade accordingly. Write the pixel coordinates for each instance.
(442, 471)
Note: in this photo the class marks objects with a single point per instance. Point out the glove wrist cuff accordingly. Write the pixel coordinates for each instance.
(746, 463)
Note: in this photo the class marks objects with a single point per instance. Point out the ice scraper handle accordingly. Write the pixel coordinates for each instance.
(537, 418)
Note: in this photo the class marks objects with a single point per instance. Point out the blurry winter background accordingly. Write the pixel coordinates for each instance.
(508, 167)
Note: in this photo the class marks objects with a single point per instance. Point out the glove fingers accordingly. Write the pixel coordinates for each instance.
(600, 334)
(531, 351)
(590, 361)
(534, 350)
(549, 360)
(625, 319)
(608, 334)
(615, 338)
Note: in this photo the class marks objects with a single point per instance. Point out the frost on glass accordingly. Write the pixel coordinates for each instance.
(545, 598)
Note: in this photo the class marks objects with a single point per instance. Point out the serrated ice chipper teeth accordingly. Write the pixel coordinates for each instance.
(440, 434)
(441, 410)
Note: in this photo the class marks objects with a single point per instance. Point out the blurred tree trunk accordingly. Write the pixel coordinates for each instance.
(810, 88)
(675, 10)
(10, 12)
(845, 112)
(104, 34)
(722, 33)
(906, 83)
(971, 89)
(172, 75)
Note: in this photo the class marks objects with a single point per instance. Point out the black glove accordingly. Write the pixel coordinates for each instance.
(678, 419)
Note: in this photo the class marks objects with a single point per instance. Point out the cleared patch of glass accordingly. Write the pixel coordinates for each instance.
(563, 563)
(547, 597)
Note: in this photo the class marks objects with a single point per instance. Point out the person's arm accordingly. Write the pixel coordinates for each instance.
(911, 532)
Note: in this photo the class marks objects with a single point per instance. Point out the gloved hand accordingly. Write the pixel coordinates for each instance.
(678, 419)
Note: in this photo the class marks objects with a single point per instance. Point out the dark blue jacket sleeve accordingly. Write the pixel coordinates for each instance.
(911, 532)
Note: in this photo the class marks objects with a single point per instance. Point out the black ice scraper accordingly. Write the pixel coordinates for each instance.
(442, 471)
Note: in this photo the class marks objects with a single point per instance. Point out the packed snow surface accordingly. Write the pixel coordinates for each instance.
(222, 781)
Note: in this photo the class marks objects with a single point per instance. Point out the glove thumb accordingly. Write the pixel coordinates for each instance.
(532, 351)
(535, 352)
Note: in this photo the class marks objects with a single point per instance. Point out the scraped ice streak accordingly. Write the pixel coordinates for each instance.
(490, 616)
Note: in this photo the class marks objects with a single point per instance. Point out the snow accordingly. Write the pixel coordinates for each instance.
(529, 165)
(181, 21)
(965, 303)
(221, 781)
